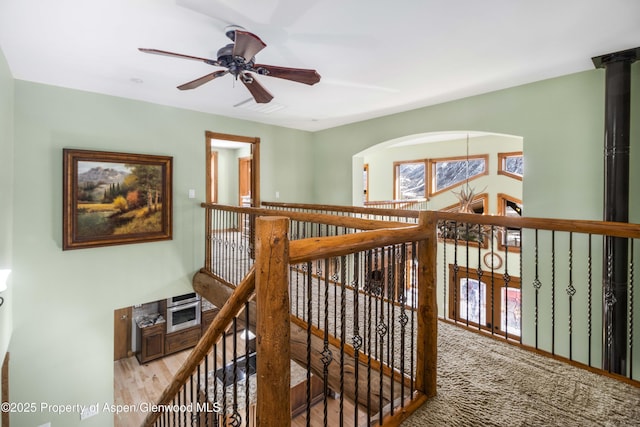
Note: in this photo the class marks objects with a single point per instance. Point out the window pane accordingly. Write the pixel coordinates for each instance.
(473, 301)
(510, 320)
(513, 165)
(411, 177)
(450, 173)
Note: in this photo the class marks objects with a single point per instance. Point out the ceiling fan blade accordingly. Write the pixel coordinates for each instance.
(178, 55)
(247, 45)
(300, 75)
(202, 80)
(260, 94)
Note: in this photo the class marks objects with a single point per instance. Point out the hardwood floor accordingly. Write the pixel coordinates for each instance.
(135, 383)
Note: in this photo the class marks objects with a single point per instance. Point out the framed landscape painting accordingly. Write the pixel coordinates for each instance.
(115, 198)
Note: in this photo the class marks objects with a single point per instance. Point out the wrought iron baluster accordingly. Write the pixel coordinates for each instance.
(199, 393)
(630, 308)
(456, 283)
(507, 280)
(571, 291)
(553, 292)
(193, 407)
(334, 279)
(357, 338)
(480, 274)
(521, 288)
(589, 297)
(247, 352)
(319, 278)
(327, 356)
(214, 363)
(414, 289)
(381, 328)
(176, 401)
(537, 284)
(223, 386)
(403, 318)
(206, 382)
(445, 302)
(466, 298)
(235, 415)
(309, 319)
(343, 330)
(492, 326)
(368, 333)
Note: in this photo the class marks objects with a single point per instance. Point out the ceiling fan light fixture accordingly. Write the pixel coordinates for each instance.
(247, 78)
(239, 60)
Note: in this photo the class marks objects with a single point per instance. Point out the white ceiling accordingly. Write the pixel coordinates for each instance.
(375, 57)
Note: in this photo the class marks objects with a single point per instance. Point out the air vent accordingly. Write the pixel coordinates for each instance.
(252, 105)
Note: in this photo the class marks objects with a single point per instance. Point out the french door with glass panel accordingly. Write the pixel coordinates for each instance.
(486, 301)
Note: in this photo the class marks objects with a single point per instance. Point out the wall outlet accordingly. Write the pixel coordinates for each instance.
(89, 411)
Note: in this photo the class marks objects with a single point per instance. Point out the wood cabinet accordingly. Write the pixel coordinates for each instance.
(299, 395)
(181, 340)
(207, 318)
(151, 339)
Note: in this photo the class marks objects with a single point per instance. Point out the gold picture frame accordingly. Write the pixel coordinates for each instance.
(114, 198)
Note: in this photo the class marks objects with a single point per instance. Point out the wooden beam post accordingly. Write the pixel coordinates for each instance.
(273, 329)
(427, 351)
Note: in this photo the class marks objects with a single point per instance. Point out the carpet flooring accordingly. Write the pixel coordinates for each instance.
(485, 382)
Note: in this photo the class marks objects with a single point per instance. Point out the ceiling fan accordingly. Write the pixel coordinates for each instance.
(239, 60)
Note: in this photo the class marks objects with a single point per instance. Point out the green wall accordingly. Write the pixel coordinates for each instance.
(62, 344)
(6, 198)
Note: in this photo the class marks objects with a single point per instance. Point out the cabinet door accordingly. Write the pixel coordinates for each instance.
(153, 346)
(151, 343)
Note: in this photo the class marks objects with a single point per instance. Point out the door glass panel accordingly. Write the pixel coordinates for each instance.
(473, 301)
(510, 319)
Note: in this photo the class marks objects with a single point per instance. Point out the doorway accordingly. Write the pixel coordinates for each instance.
(244, 181)
(228, 156)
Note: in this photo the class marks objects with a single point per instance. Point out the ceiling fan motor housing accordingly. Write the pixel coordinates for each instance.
(235, 64)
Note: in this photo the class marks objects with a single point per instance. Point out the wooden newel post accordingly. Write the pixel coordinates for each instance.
(427, 351)
(273, 359)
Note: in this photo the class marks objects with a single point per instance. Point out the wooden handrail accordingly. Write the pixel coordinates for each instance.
(215, 331)
(332, 246)
(346, 209)
(616, 229)
(340, 221)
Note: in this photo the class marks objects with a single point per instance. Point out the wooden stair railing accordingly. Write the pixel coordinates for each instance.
(216, 330)
(269, 278)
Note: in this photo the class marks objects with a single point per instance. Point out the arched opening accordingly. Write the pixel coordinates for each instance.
(435, 166)
(468, 171)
